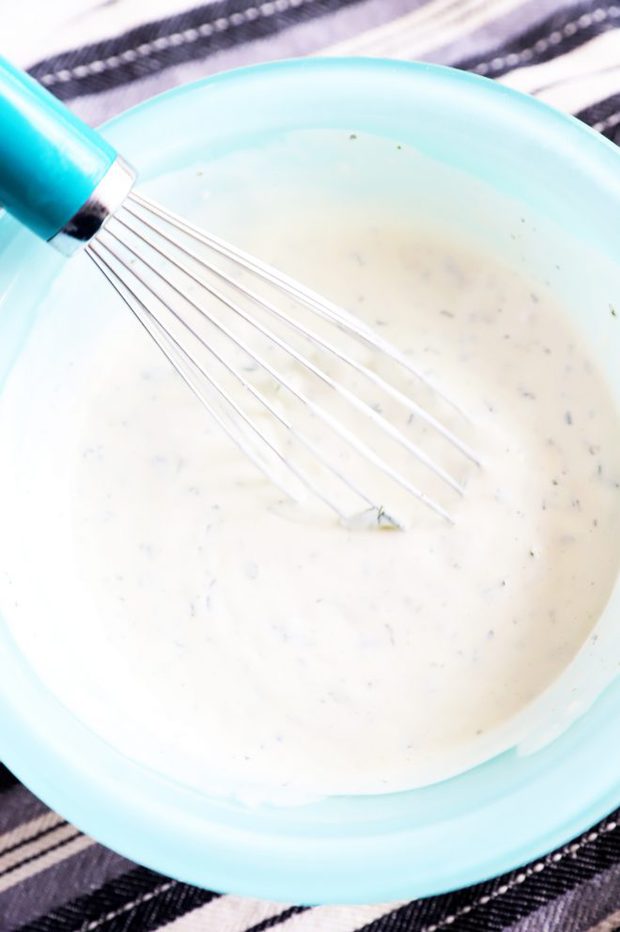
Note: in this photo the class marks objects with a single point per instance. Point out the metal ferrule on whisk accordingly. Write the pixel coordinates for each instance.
(104, 201)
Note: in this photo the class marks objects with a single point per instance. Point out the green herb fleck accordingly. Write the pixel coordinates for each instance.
(386, 522)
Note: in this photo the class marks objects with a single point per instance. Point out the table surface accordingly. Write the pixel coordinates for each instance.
(101, 57)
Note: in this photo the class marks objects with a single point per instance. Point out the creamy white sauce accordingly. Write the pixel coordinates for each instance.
(227, 638)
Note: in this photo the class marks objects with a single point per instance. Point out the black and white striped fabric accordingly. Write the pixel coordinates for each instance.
(102, 56)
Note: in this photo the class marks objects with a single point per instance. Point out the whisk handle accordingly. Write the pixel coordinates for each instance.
(50, 161)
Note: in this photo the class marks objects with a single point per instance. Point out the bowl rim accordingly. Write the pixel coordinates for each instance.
(136, 812)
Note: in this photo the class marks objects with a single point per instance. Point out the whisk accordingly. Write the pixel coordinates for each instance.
(303, 387)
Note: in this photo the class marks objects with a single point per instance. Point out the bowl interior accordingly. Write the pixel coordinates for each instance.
(491, 147)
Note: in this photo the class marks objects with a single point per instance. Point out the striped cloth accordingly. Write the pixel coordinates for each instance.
(101, 56)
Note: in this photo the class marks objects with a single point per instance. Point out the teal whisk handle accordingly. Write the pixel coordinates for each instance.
(58, 177)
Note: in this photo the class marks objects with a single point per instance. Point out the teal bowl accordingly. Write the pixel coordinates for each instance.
(494, 817)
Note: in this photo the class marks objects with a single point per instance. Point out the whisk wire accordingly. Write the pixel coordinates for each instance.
(411, 405)
(129, 255)
(314, 302)
(164, 338)
(340, 389)
(346, 434)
